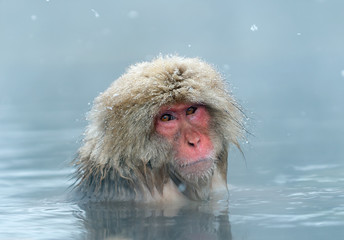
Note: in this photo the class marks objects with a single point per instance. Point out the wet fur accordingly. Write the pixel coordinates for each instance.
(122, 158)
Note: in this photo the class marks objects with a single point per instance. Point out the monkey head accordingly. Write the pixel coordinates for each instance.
(163, 125)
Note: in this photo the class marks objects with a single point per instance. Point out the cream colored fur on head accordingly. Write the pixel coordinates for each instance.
(120, 139)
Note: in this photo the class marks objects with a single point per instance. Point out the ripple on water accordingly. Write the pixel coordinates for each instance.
(287, 207)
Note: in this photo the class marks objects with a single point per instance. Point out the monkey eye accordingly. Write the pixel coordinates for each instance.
(191, 110)
(167, 117)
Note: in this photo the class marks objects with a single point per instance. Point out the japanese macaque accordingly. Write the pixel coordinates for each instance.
(159, 132)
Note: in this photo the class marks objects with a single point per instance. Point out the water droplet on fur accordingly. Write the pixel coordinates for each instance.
(181, 187)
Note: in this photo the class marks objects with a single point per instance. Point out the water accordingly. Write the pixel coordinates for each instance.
(287, 73)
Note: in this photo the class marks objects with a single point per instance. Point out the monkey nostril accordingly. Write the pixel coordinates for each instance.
(193, 142)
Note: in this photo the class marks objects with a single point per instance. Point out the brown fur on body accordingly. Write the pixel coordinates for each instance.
(123, 158)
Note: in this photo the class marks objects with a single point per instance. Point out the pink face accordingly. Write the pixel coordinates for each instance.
(186, 127)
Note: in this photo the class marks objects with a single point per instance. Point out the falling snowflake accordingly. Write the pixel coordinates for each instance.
(96, 14)
(133, 14)
(254, 28)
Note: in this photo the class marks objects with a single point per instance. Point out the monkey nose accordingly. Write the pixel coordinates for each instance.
(193, 142)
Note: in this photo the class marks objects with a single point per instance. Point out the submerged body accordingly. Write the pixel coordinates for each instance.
(159, 132)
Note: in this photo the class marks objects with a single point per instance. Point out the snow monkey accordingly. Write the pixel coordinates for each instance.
(160, 132)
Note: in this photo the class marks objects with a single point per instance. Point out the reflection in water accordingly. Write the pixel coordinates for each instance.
(193, 220)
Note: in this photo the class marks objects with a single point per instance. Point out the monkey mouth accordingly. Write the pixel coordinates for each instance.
(196, 168)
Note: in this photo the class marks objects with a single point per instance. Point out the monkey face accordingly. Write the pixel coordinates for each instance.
(186, 128)
(149, 131)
